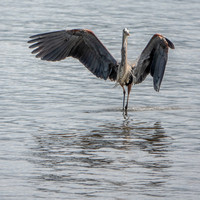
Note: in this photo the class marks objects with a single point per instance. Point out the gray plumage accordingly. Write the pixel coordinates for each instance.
(78, 43)
(87, 48)
(153, 60)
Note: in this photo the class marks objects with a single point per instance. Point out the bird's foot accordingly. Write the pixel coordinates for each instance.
(125, 113)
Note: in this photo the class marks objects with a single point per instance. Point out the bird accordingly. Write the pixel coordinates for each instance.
(85, 46)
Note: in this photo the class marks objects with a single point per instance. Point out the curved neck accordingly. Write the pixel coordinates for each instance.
(124, 50)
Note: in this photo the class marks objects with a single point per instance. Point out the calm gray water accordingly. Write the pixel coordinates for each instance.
(62, 133)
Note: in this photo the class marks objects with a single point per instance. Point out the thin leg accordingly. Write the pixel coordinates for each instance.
(124, 95)
(129, 90)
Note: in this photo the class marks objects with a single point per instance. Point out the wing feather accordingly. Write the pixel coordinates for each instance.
(78, 43)
(153, 60)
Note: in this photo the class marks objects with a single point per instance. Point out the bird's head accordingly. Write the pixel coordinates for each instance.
(126, 32)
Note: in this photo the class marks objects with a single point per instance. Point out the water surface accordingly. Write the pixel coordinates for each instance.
(62, 132)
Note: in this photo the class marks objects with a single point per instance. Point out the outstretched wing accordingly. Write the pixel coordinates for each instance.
(153, 60)
(78, 43)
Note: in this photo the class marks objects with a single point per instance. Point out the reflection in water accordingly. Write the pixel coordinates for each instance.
(84, 159)
(127, 136)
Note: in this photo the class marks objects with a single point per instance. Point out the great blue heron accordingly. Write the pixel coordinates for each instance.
(87, 48)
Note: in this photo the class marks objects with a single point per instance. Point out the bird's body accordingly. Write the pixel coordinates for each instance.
(87, 48)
